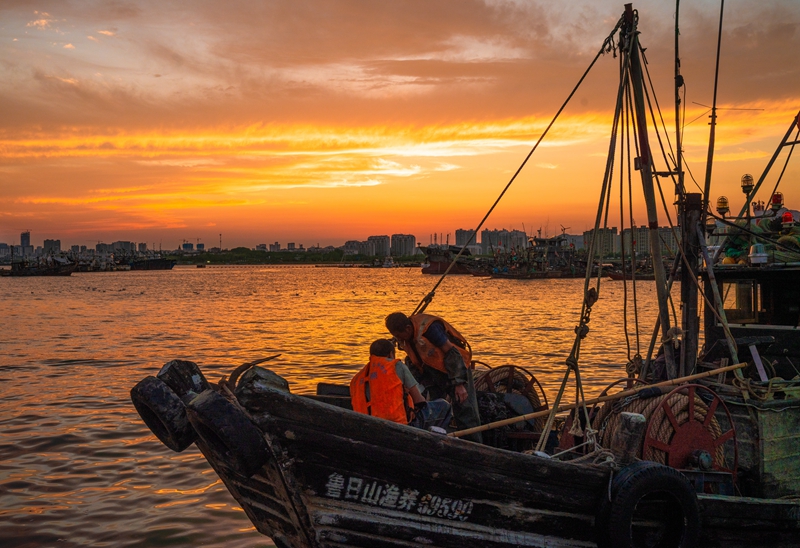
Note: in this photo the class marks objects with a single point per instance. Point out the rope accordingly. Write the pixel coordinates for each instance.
(608, 420)
(788, 157)
(606, 47)
(591, 295)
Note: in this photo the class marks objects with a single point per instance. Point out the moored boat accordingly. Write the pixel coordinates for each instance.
(699, 448)
(40, 268)
(439, 258)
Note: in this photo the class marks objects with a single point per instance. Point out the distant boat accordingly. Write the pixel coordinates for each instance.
(440, 257)
(152, 264)
(27, 268)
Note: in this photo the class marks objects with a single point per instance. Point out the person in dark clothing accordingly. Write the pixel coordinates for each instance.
(440, 358)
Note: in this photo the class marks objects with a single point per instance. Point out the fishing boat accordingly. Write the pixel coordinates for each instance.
(694, 446)
(439, 258)
(54, 266)
(152, 263)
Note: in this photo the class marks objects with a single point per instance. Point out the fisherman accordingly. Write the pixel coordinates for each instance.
(441, 360)
(386, 389)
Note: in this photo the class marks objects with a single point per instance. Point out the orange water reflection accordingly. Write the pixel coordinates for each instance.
(69, 435)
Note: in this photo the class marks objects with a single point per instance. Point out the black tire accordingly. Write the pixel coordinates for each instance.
(163, 412)
(652, 506)
(234, 441)
(184, 378)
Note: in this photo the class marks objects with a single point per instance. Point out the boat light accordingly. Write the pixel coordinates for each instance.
(777, 201)
(722, 205)
(787, 219)
(747, 183)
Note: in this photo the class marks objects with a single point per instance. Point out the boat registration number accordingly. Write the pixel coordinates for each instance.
(394, 497)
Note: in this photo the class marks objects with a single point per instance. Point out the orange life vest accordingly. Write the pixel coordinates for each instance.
(422, 351)
(388, 399)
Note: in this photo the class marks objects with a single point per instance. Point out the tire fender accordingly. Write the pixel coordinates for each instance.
(163, 412)
(661, 486)
(231, 437)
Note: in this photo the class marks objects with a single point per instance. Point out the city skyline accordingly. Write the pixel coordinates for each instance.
(169, 121)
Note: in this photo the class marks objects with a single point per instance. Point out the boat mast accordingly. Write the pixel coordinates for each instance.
(644, 164)
(713, 123)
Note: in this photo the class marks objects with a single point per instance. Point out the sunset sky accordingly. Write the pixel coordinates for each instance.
(322, 121)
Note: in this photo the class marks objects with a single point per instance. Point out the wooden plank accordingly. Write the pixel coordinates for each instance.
(386, 528)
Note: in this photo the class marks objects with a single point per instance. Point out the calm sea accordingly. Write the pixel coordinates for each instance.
(79, 468)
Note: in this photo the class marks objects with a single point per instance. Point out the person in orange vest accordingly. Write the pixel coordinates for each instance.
(441, 359)
(385, 388)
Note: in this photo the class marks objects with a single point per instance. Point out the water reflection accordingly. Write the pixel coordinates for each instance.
(78, 467)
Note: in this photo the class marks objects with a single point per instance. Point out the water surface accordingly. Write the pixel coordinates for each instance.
(79, 468)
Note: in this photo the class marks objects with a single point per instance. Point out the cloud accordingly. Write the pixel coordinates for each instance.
(69, 46)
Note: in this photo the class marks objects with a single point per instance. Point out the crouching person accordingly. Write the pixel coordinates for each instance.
(385, 388)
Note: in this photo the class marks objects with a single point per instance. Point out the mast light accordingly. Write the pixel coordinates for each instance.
(777, 201)
(747, 183)
(722, 206)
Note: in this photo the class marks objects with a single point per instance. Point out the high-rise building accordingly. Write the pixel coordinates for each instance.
(638, 240)
(52, 247)
(123, 247)
(351, 247)
(366, 248)
(607, 243)
(382, 245)
(275, 247)
(403, 245)
(465, 237)
(25, 239)
(142, 248)
(492, 240)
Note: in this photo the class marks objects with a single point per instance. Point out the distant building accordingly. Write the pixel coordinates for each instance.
(290, 246)
(351, 247)
(201, 247)
(465, 237)
(638, 240)
(382, 245)
(124, 247)
(103, 249)
(275, 247)
(187, 247)
(75, 249)
(52, 247)
(5, 250)
(403, 245)
(503, 239)
(25, 239)
(607, 244)
(261, 247)
(366, 248)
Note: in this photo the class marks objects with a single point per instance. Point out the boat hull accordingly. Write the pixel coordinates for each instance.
(337, 478)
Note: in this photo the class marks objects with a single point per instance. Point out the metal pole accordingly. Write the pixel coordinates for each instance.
(645, 167)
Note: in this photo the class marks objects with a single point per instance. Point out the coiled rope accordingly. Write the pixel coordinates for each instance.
(608, 420)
